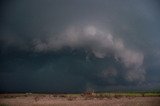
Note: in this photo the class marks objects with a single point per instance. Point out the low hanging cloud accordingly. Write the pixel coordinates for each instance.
(100, 43)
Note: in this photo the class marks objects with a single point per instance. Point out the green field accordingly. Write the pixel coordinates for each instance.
(81, 99)
(96, 95)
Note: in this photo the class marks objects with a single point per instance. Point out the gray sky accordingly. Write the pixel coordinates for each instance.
(76, 45)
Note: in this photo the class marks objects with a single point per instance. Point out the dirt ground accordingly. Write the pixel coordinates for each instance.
(62, 100)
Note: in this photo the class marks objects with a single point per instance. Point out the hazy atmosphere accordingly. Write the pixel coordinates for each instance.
(79, 45)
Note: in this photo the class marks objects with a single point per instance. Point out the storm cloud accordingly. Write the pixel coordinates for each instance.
(100, 44)
(76, 45)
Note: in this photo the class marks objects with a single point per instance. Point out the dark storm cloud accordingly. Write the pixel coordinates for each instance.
(79, 43)
(100, 44)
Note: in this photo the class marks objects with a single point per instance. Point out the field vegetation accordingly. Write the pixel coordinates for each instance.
(83, 99)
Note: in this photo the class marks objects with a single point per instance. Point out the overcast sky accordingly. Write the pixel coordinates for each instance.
(78, 45)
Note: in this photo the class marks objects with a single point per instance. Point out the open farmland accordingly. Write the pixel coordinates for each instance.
(95, 99)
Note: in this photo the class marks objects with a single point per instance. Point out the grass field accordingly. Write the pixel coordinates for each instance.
(84, 99)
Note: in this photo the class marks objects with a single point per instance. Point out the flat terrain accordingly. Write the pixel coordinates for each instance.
(105, 99)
